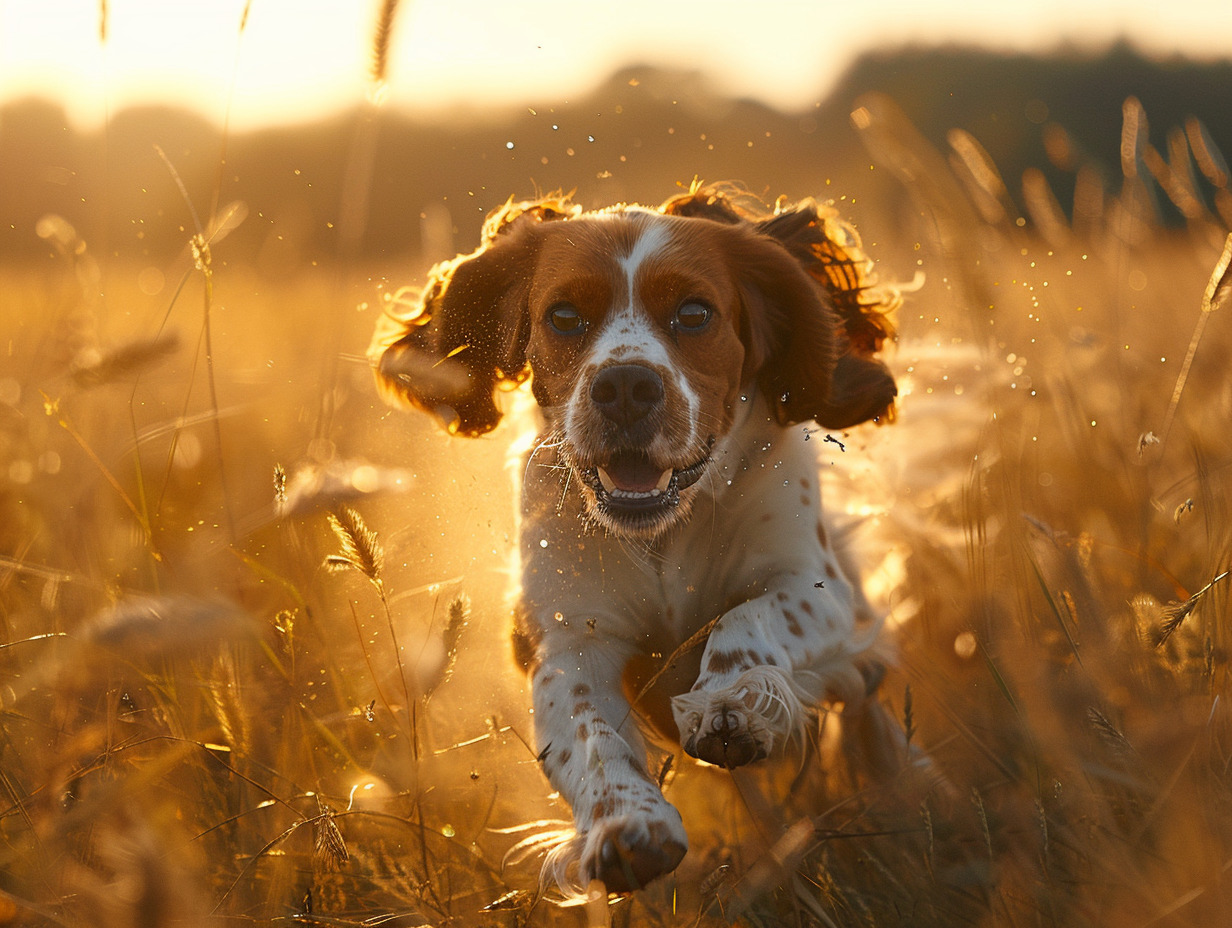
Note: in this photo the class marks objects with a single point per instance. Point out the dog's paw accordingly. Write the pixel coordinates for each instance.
(725, 734)
(628, 851)
(740, 723)
(624, 850)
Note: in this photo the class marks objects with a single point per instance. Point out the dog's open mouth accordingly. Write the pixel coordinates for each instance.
(629, 482)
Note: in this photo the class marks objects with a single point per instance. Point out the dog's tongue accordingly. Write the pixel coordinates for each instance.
(633, 475)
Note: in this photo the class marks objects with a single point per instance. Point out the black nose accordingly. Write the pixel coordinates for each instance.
(626, 393)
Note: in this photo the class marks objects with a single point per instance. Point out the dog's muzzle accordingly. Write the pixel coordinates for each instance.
(629, 483)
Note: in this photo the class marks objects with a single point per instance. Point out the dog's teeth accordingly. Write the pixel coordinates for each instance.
(613, 489)
(606, 479)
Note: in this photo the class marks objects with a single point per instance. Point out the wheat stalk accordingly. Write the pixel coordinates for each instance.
(908, 714)
(381, 38)
(1175, 613)
(131, 357)
(985, 829)
(1215, 295)
(459, 615)
(359, 548)
(1108, 733)
(697, 638)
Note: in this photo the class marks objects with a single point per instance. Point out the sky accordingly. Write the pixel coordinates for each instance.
(293, 60)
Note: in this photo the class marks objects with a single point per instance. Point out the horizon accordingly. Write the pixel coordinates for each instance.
(259, 63)
(694, 85)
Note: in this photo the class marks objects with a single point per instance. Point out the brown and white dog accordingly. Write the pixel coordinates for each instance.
(668, 499)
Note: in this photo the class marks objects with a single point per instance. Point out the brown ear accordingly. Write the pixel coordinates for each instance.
(448, 351)
(825, 326)
(790, 331)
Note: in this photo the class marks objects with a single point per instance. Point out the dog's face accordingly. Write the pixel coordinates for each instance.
(637, 355)
(643, 332)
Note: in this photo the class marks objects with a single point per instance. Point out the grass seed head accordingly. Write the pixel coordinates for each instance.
(360, 549)
(92, 369)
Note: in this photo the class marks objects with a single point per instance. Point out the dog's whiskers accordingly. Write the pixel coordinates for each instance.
(564, 489)
(550, 441)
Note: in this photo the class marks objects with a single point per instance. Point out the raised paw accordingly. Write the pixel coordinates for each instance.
(741, 723)
(725, 737)
(628, 851)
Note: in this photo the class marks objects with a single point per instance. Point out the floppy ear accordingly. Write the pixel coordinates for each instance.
(790, 330)
(466, 334)
(824, 326)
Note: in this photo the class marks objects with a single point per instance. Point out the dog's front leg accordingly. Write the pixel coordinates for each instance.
(592, 752)
(769, 661)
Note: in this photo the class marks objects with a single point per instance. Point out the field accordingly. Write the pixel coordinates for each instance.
(253, 632)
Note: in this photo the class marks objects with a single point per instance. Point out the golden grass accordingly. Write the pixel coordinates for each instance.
(201, 722)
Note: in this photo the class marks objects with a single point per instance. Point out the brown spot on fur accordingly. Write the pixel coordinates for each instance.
(723, 661)
(564, 756)
(807, 607)
(781, 596)
(581, 732)
(581, 690)
(766, 516)
(793, 624)
(804, 500)
(830, 572)
(821, 535)
(804, 482)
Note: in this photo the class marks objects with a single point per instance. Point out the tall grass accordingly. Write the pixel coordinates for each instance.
(242, 699)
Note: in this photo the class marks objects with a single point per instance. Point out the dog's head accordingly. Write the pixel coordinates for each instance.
(643, 330)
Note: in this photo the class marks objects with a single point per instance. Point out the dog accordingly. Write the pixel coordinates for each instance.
(676, 576)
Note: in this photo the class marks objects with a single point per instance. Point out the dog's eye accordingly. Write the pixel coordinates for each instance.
(692, 316)
(565, 319)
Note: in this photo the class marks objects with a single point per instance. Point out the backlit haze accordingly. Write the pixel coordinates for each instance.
(294, 61)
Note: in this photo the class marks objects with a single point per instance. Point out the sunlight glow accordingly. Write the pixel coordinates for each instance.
(297, 60)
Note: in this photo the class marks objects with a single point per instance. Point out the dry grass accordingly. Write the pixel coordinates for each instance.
(231, 699)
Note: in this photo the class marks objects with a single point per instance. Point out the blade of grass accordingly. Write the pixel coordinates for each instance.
(1215, 288)
(1053, 607)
